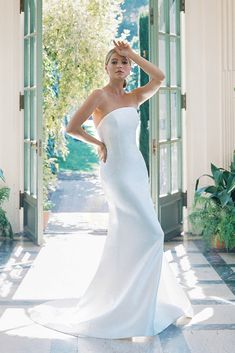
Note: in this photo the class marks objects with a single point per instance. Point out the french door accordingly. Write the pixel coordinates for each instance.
(32, 105)
(166, 116)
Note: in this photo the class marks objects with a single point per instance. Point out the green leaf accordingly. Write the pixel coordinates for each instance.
(217, 175)
(1, 175)
(4, 194)
(211, 189)
(231, 183)
(224, 198)
(197, 181)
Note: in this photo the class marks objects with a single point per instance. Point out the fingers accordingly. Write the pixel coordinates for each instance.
(120, 43)
(102, 154)
(103, 158)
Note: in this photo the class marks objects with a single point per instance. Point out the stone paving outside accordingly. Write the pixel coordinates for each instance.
(73, 242)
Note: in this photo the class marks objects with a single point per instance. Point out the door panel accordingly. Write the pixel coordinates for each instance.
(166, 116)
(33, 119)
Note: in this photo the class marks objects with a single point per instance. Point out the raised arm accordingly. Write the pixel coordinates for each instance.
(145, 92)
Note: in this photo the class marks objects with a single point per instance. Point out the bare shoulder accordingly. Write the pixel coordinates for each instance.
(94, 99)
(102, 98)
(97, 93)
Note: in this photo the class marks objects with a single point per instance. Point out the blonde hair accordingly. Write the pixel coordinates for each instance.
(107, 58)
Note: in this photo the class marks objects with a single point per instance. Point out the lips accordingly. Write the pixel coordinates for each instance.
(120, 71)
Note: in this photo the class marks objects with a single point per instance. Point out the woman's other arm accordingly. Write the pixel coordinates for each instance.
(74, 127)
(142, 93)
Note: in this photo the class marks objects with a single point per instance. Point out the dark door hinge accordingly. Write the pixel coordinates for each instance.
(21, 6)
(182, 5)
(21, 199)
(21, 101)
(183, 101)
(184, 199)
(151, 16)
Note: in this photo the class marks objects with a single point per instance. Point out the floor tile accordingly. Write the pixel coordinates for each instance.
(218, 341)
(181, 248)
(186, 260)
(194, 274)
(134, 345)
(228, 257)
(213, 314)
(14, 343)
(28, 276)
(173, 341)
(210, 291)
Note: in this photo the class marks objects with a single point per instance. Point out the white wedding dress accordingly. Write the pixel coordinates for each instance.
(134, 291)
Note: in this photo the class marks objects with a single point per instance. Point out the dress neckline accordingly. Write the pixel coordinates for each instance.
(106, 115)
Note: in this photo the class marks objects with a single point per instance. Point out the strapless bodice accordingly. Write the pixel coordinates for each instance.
(117, 130)
(118, 127)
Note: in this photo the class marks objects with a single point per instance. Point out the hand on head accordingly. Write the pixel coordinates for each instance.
(122, 47)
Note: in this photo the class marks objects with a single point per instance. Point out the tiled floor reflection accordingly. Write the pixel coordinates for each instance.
(30, 275)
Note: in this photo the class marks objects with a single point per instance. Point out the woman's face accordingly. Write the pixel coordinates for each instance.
(118, 66)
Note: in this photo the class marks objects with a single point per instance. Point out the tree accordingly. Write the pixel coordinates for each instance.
(76, 37)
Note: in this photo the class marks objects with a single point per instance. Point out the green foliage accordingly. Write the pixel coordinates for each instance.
(48, 205)
(5, 226)
(213, 212)
(223, 190)
(76, 38)
(132, 8)
(49, 180)
(226, 227)
(1, 175)
(4, 194)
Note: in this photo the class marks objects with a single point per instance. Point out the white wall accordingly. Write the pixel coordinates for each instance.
(10, 118)
(208, 128)
(228, 79)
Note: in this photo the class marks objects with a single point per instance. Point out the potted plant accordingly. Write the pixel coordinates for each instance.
(213, 213)
(49, 183)
(5, 226)
(47, 206)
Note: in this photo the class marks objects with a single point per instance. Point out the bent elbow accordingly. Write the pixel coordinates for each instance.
(160, 78)
(68, 130)
(71, 131)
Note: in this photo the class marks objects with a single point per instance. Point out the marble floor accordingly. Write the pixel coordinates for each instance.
(30, 275)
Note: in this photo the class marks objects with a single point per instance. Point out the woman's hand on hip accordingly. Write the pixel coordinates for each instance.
(102, 152)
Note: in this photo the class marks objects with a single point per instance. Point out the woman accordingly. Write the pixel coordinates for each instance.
(112, 96)
(133, 292)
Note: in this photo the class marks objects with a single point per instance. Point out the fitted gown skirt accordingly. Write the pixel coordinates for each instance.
(133, 292)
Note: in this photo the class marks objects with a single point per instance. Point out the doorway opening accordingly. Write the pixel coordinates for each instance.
(68, 41)
(74, 52)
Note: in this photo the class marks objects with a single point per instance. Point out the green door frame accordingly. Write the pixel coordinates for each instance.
(165, 143)
(32, 196)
